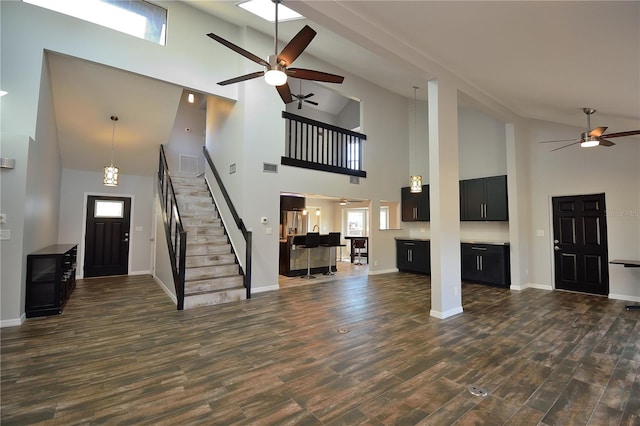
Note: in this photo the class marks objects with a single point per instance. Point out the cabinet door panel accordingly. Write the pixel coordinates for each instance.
(473, 201)
(496, 198)
(409, 205)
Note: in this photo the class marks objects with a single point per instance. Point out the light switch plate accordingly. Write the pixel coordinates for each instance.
(540, 233)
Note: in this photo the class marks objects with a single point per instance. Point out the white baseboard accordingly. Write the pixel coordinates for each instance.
(531, 285)
(265, 288)
(625, 297)
(167, 290)
(140, 273)
(13, 322)
(446, 314)
(383, 271)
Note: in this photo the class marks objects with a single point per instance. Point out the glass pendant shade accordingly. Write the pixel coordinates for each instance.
(110, 175)
(111, 172)
(416, 183)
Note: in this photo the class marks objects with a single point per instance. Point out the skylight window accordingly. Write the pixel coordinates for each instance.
(134, 17)
(266, 9)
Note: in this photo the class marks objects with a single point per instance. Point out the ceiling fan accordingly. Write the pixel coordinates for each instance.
(593, 137)
(304, 98)
(277, 65)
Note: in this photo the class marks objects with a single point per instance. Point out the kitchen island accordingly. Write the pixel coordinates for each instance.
(293, 257)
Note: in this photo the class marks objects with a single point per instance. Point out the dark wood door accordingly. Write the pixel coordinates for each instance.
(580, 244)
(107, 236)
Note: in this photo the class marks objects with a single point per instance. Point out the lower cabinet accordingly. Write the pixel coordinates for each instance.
(413, 256)
(486, 263)
(51, 277)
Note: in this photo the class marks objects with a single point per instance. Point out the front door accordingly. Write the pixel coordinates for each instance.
(107, 236)
(580, 244)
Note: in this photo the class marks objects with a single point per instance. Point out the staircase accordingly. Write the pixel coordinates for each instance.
(212, 273)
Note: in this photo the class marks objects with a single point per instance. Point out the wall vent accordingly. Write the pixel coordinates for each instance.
(188, 164)
(354, 180)
(269, 168)
(232, 168)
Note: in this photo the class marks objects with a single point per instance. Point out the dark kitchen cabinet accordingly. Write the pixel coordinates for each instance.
(486, 263)
(484, 199)
(415, 206)
(51, 278)
(413, 256)
(292, 203)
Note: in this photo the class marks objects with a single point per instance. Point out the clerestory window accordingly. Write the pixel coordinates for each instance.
(138, 18)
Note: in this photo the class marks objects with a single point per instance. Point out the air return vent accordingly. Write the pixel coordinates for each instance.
(269, 168)
(188, 163)
(355, 180)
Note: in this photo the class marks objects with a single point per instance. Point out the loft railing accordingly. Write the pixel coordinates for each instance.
(311, 144)
(176, 235)
(239, 223)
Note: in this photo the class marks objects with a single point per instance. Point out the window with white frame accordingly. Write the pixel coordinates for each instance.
(138, 18)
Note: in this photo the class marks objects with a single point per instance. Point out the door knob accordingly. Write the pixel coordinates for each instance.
(555, 241)
(556, 248)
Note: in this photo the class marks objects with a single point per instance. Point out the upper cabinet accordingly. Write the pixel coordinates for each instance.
(415, 206)
(484, 199)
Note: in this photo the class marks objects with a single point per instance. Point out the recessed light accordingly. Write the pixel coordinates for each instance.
(267, 10)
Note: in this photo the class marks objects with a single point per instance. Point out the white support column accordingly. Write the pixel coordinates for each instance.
(444, 190)
(517, 185)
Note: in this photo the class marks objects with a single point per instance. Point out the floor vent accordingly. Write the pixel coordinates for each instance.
(269, 168)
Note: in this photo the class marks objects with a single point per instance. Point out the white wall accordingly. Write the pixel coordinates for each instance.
(76, 184)
(613, 171)
(32, 217)
(187, 142)
(262, 140)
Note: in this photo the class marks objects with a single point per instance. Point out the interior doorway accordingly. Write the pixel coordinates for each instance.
(106, 245)
(580, 244)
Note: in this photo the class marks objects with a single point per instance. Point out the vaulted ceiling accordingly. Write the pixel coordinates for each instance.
(542, 60)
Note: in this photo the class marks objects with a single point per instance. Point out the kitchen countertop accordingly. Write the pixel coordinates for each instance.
(494, 242)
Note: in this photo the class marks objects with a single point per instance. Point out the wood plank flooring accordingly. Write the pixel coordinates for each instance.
(354, 350)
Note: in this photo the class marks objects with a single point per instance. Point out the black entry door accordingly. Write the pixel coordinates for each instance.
(107, 236)
(580, 244)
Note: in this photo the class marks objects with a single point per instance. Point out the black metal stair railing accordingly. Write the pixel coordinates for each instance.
(315, 145)
(176, 235)
(239, 223)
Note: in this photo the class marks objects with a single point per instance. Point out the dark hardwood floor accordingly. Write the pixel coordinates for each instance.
(358, 350)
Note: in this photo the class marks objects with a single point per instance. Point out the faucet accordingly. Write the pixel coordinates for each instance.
(314, 228)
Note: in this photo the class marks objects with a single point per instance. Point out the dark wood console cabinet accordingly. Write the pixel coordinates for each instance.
(51, 277)
(486, 263)
(413, 256)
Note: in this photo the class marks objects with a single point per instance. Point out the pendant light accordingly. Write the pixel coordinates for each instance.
(415, 182)
(111, 171)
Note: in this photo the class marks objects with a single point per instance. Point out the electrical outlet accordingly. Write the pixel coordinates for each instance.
(5, 234)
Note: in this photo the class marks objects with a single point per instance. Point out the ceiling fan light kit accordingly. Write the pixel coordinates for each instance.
(593, 137)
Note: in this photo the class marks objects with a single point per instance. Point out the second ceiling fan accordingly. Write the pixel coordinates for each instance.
(277, 65)
(593, 137)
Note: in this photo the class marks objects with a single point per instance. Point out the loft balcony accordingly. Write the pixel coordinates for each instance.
(311, 144)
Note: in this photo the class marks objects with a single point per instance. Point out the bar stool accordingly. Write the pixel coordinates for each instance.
(312, 240)
(359, 244)
(333, 240)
